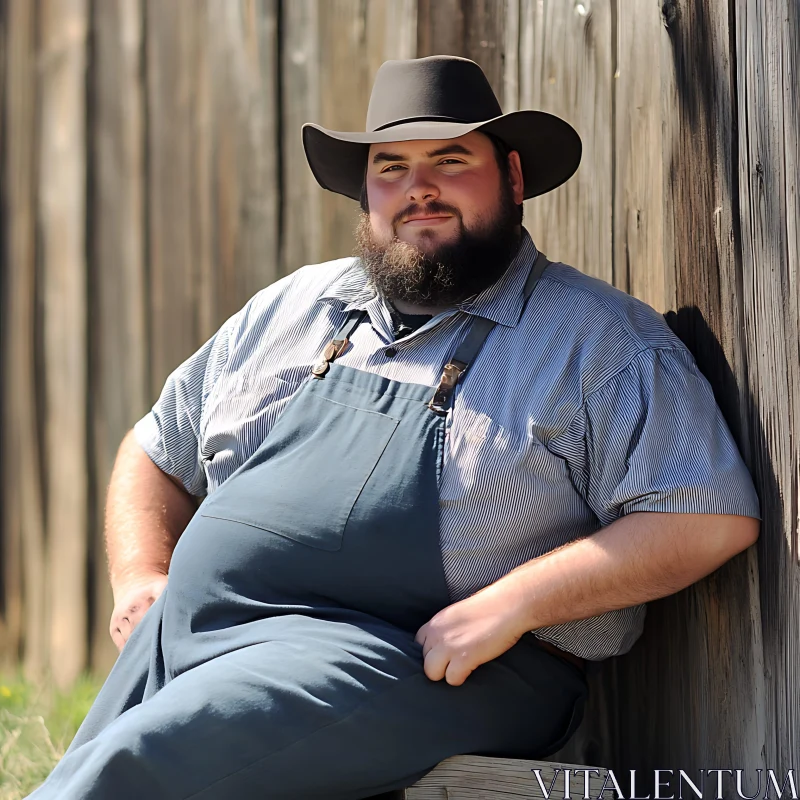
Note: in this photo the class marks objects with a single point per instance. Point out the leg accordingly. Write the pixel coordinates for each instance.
(288, 721)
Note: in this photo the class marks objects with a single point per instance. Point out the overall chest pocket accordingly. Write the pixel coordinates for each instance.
(304, 480)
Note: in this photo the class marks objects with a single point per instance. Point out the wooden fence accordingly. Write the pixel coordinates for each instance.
(152, 179)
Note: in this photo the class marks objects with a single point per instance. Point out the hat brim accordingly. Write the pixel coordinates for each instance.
(549, 148)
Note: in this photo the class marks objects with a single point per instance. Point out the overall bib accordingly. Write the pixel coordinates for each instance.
(280, 661)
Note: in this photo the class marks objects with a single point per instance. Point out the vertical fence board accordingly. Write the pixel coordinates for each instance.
(440, 28)
(118, 340)
(638, 182)
(401, 31)
(703, 645)
(301, 233)
(11, 601)
(472, 29)
(790, 112)
(244, 157)
(23, 520)
(170, 41)
(768, 130)
(566, 68)
(62, 36)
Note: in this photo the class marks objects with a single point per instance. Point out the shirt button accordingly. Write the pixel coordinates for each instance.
(390, 352)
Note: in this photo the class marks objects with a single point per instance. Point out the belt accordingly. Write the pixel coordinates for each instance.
(571, 657)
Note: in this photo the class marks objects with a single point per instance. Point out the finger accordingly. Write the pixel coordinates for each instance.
(421, 634)
(435, 663)
(117, 637)
(125, 627)
(456, 672)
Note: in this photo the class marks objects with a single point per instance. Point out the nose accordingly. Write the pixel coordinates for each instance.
(420, 189)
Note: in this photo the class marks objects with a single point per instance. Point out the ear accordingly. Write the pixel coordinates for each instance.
(515, 176)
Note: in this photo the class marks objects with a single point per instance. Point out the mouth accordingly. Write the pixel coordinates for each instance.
(422, 221)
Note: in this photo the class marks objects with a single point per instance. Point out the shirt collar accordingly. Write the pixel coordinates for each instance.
(501, 302)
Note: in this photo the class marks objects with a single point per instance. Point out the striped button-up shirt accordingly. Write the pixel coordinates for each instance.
(582, 406)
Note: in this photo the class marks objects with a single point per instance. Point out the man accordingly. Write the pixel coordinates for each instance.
(439, 477)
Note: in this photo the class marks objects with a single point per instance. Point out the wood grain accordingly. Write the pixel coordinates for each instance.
(566, 68)
(237, 159)
(119, 341)
(702, 646)
(638, 158)
(62, 219)
(25, 633)
(766, 44)
(488, 778)
(301, 196)
(172, 37)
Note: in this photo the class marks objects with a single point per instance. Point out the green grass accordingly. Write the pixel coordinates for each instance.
(37, 723)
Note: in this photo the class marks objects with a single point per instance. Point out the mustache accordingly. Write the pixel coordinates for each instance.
(434, 207)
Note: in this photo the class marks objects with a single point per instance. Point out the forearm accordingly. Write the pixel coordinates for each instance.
(146, 512)
(638, 558)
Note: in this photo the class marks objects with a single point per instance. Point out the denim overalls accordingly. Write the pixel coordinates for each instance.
(280, 661)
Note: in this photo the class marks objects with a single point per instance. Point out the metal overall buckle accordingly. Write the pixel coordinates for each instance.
(451, 375)
(332, 351)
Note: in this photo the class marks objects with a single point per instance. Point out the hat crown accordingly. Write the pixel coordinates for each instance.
(446, 88)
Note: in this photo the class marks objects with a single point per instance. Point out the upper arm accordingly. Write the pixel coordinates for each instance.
(170, 432)
(655, 440)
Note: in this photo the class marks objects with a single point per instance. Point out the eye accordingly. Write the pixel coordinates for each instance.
(391, 167)
(454, 160)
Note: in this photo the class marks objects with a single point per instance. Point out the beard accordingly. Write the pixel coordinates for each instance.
(446, 274)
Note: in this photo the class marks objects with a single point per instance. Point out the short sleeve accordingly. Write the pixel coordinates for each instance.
(655, 440)
(170, 432)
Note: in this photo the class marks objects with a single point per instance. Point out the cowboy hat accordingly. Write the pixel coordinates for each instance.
(441, 97)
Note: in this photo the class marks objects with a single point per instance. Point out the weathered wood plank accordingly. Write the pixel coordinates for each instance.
(487, 778)
(235, 156)
(703, 645)
(173, 288)
(766, 38)
(118, 340)
(240, 187)
(302, 198)
(400, 34)
(62, 219)
(638, 181)
(23, 523)
(566, 68)
(472, 29)
(11, 601)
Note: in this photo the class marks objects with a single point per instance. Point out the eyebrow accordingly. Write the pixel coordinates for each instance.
(447, 150)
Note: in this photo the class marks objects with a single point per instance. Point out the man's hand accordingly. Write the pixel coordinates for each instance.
(469, 633)
(131, 601)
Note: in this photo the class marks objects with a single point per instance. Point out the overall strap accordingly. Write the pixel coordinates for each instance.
(337, 345)
(476, 335)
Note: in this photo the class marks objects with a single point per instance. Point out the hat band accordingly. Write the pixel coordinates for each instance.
(425, 119)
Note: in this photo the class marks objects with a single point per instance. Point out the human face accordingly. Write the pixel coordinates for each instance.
(429, 191)
(446, 224)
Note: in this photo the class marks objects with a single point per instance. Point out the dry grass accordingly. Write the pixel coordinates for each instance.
(37, 724)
